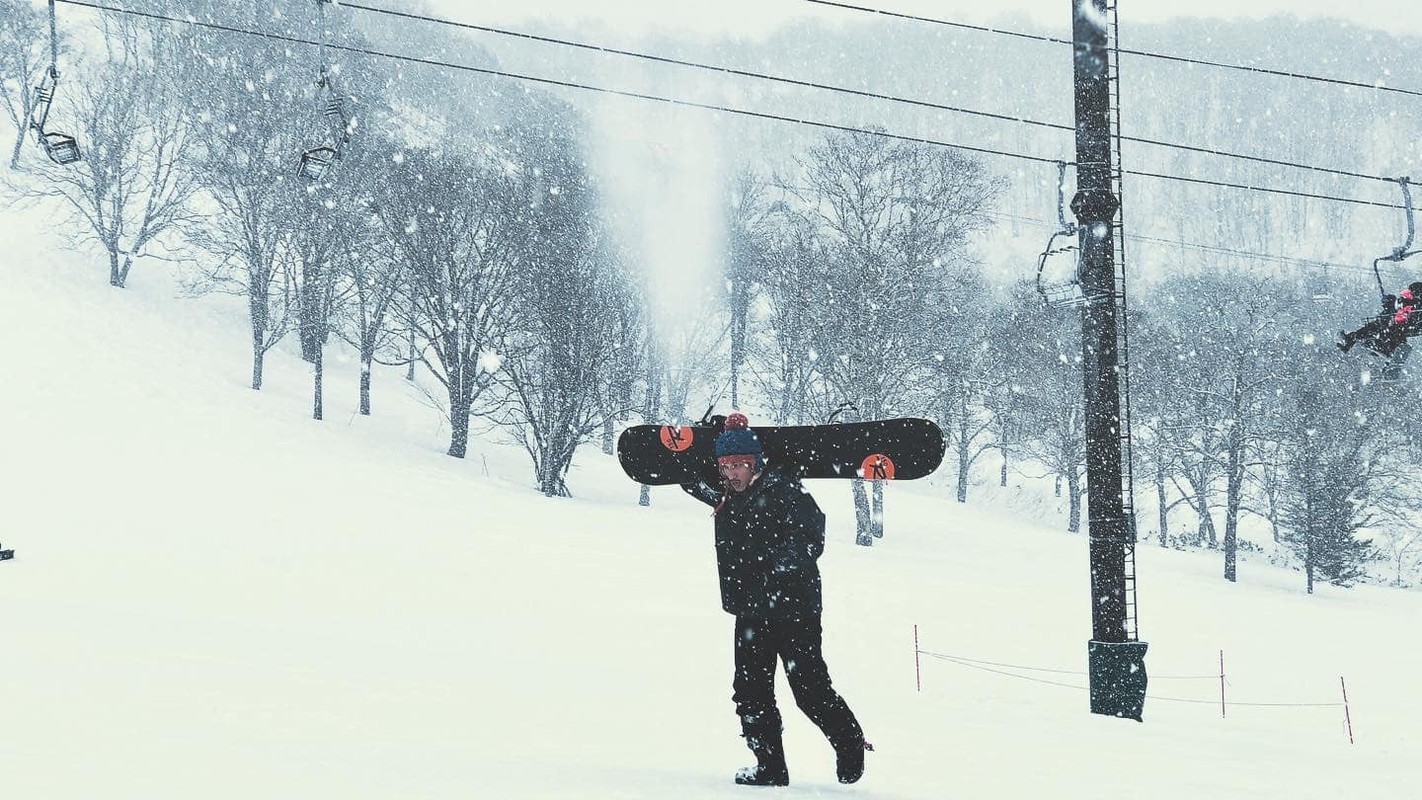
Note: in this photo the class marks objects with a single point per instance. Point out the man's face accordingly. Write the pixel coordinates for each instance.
(737, 474)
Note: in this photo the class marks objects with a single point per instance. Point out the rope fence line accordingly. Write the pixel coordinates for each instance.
(973, 664)
(1009, 670)
(978, 664)
(966, 660)
(1007, 674)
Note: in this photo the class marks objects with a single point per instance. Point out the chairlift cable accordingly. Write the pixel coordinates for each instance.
(46, 94)
(321, 51)
(707, 106)
(1018, 119)
(1141, 53)
(53, 42)
(561, 83)
(1294, 261)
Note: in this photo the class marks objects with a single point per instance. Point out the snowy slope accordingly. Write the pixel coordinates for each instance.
(216, 597)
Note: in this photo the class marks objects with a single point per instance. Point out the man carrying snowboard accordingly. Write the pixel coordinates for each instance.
(769, 533)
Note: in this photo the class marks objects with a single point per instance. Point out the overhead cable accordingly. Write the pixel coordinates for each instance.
(704, 106)
(847, 91)
(1141, 53)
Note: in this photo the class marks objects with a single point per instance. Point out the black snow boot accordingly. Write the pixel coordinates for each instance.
(769, 769)
(849, 759)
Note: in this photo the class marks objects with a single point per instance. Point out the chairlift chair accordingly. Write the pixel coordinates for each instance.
(1320, 289)
(60, 147)
(317, 161)
(1388, 368)
(1391, 370)
(1063, 293)
(1056, 292)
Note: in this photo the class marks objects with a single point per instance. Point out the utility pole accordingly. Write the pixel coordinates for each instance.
(1116, 663)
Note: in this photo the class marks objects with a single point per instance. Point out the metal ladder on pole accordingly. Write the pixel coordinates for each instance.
(1122, 342)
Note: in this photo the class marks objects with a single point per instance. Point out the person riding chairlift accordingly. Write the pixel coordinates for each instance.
(1386, 332)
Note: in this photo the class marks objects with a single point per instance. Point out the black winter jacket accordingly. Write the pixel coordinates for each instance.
(768, 539)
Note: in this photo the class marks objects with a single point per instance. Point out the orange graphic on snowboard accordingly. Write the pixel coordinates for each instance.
(676, 438)
(877, 467)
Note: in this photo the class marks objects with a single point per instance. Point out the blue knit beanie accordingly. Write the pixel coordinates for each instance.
(739, 440)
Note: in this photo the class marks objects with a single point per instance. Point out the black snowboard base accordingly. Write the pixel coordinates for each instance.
(903, 449)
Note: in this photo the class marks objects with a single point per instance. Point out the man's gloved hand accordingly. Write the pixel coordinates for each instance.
(703, 491)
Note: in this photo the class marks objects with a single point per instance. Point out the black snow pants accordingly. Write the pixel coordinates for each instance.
(795, 641)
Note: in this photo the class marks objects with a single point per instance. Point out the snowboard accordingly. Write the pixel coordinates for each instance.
(902, 449)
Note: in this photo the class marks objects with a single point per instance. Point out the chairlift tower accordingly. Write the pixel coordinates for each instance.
(1116, 658)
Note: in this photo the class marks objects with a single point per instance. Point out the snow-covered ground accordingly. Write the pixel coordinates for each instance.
(216, 597)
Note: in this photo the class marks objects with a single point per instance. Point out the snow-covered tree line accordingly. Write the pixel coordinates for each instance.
(459, 232)
(463, 234)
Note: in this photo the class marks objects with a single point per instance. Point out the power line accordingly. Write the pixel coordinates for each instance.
(948, 23)
(704, 106)
(708, 67)
(1295, 261)
(1254, 188)
(844, 90)
(571, 85)
(1141, 53)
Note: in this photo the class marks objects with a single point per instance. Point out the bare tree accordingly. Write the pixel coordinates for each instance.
(747, 262)
(321, 246)
(972, 362)
(248, 181)
(24, 51)
(1048, 369)
(458, 221)
(563, 348)
(617, 392)
(133, 185)
(895, 218)
(691, 362)
(1230, 337)
(784, 358)
(1398, 532)
(1156, 415)
(1236, 338)
(1334, 463)
(652, 404)
(373, 275)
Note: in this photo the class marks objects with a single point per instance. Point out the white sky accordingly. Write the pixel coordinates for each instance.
(749, 17)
